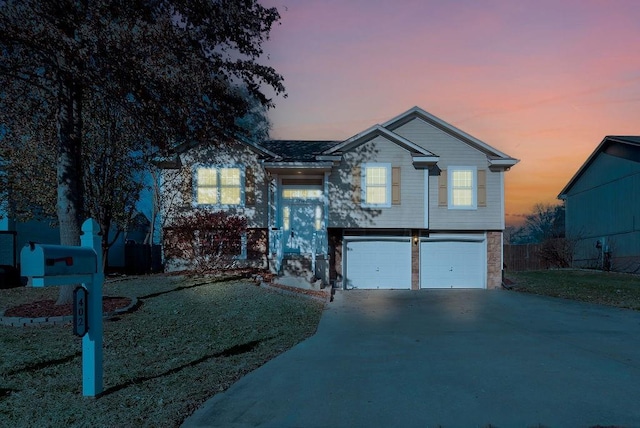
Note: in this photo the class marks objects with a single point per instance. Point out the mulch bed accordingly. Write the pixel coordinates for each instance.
(48, 308)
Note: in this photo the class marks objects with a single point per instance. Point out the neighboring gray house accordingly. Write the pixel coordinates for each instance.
(602, 206)
(43, 233)
(411, 203)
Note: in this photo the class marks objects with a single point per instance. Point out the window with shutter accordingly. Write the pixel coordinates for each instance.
(395, 185)
(249, 188)
(376, 185)
(187, 185)
(356, 188)
(482, 187)
(442, 188)
(462, 187)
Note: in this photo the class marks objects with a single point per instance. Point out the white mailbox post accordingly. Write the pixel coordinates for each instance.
(48, 265)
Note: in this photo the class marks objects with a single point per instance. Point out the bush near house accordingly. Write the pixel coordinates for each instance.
(203, 241)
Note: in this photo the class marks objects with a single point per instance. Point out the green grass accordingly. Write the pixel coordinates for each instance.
(160, 362)
(606, 288)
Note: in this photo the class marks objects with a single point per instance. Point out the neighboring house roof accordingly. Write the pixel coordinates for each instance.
(298, 150)
(627, 147)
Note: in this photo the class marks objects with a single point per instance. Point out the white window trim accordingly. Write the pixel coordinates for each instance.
(194, 175)
(301, 187)
(363, 187)
(474, 193)
(243, 247)
(426, 198)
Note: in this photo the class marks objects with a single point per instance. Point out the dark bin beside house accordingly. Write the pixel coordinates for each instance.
(141, 259)
(9, 277)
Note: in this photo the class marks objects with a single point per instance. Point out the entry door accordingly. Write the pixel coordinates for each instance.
(300, 220)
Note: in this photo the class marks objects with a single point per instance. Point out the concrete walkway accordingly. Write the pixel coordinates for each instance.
(450, 358)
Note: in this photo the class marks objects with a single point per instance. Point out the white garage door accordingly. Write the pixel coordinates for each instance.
(453, 264)
(378, 264)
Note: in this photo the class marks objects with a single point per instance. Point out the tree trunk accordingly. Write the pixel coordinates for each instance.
(69, 171)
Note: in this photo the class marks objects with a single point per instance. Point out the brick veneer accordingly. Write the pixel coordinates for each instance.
(415, 260)
(494, 260)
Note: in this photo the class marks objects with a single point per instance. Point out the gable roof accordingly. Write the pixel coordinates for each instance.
(497, 159)
(418, 113)
(627, 147)
(373, 132)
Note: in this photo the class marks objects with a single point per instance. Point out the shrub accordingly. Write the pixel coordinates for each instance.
(557, 252)
(204, 240)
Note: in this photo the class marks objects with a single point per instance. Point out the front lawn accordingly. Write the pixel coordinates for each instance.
(189, 340)
(606, 288)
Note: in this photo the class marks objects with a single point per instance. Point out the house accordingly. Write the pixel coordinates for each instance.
(14, 235)
(602, 212)
(411, 203)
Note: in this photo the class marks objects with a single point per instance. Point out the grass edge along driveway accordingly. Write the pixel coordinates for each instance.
(189, 340)
(604, 288)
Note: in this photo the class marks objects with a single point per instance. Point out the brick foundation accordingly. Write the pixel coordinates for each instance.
(415, 260)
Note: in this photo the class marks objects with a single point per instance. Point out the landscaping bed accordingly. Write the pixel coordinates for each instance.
(605, 288)
(188, 340)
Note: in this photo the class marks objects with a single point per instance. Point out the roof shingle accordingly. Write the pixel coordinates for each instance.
(298, 150)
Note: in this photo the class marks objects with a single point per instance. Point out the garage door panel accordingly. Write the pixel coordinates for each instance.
(378, 264)
(452, 264)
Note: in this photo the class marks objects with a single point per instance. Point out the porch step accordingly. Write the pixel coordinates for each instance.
(298, 282)
(296, 272)
(297, 265)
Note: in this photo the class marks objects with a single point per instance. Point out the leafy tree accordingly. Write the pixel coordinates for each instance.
(170, 65)
(112, 183)
(114, 178)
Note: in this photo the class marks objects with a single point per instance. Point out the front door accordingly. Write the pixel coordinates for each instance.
(299, 223)
(301, 215)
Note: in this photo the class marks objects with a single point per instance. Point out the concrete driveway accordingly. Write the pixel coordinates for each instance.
(450, 358)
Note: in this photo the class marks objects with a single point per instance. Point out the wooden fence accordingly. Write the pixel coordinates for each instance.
(523, 257)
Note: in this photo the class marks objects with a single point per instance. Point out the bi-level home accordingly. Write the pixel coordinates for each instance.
(411, 203)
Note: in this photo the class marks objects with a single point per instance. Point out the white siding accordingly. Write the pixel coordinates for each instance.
(343, 212)
(236, 154)
(455, 152)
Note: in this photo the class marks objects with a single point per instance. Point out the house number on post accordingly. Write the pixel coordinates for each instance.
(80, 313)
(53, 265)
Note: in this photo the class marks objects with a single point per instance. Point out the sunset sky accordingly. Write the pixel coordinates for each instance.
(543, 81)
